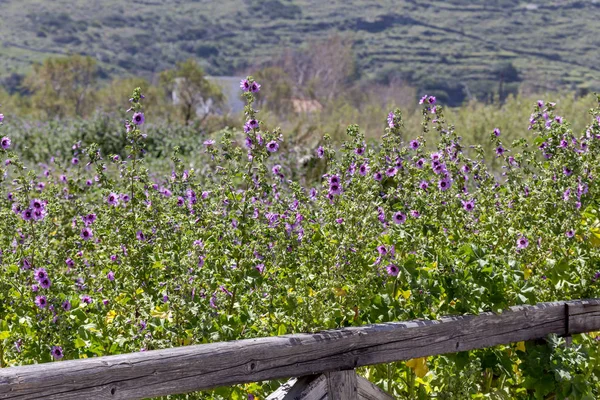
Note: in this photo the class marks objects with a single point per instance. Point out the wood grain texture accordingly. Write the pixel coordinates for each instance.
(312, 387)
(341, 385)
(191, 368)
(369, 391)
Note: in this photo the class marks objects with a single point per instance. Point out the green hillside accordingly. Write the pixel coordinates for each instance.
(459, 46)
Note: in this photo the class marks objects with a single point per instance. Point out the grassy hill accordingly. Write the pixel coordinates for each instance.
(458, 46)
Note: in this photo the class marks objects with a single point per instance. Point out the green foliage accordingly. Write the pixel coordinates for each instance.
(62, 87)
(106, 253)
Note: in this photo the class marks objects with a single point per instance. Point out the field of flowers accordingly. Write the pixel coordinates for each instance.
(115, 253)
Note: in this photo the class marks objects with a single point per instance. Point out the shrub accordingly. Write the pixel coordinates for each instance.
(102, 255)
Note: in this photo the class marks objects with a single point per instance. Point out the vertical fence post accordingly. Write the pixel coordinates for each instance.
(342, 385)
(568, 338)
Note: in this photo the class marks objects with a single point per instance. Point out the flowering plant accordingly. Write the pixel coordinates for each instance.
(103, 256)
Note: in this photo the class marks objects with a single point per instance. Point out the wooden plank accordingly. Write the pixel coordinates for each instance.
(185, 369)
(582, 316)
(370, 391)
(341, 385)
(312, 387)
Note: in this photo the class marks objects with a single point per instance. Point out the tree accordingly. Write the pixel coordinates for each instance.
(114, 97)
(63, 86)
(191, 90)
(322, 70)
(277, 96)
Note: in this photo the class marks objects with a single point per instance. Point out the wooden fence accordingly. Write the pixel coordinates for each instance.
(334, 354)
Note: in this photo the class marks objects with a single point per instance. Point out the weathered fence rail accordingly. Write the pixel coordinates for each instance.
(191, 368)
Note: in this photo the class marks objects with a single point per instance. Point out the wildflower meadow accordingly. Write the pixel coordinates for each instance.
(109, 253)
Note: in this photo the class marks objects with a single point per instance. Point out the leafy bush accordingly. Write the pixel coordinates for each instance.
(103, 255)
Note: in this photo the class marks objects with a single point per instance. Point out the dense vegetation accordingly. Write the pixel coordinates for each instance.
(457, 48)
(108, 250)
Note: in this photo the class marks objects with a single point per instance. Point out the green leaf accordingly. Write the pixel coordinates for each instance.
(282, 330)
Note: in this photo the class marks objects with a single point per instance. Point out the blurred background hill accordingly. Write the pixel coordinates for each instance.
(460, 49)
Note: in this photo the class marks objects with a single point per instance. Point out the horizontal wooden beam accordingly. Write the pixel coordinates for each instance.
(192, 368)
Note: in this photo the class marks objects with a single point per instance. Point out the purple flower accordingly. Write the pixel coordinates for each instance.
(399, 218)
(414, 144)
(89, 219)
(559, 120)
(360, 151)
(254, 87)
(444, 184)
(378, 176)
(335, 189)
(66, 305)
(380, 214)
(110, 276)
(57, 352)
(439, 168)
(420, 163)
(40, 274)
(41, 301)
(5, 142)
(382, 250)
(424, 185)
(245, 85)
(86, 299)
(320, 152)
(390, 120)
(499, 151)
(112, 199)
(45, 283)
(252, 124)
(391, 171)
(140, 236)
(570, 233)
(363, 169)
(415, 213)
(209, 142)
(75, 161)
(522, 242)
(468, 205)
(27, 214)
(431, 100)
(392, 270)
(39, 214)
(124, 197)
(567, 171)
(26, 264)
(138, 118)
(496, 132)
(272, 146)
(86, 234)
(70, 263)
(260, 268)
(1, 117)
